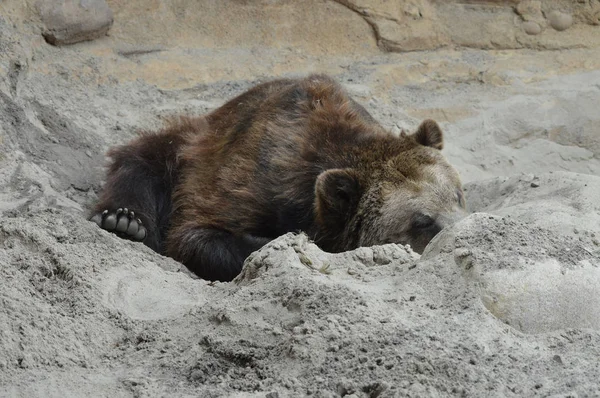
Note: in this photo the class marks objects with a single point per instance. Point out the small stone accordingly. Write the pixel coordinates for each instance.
(413, 12)
(557, 359)
(529, 8)
(23, 362)
(535, 184)
(463, 257)
(73, 21)
(595, 18)
(560, 21)
(532, 28)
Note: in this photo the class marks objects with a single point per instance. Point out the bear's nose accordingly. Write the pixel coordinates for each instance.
(451, 218)
(422, 229)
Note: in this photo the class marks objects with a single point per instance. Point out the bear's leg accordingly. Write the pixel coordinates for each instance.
(214, 254)
(135, 202)
(121, 221)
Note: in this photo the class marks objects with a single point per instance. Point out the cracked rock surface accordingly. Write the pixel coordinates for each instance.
(411, 25)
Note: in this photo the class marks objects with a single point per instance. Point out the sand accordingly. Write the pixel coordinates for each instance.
(504, 303)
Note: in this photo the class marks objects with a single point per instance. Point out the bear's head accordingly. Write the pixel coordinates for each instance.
(400, 190)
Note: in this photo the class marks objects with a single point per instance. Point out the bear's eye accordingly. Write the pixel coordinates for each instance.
(422, 221)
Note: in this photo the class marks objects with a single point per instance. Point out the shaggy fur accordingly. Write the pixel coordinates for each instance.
(287, 155)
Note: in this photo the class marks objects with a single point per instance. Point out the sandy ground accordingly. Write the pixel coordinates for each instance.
(505, 303)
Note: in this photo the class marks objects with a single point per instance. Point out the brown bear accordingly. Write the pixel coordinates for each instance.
(287, 155)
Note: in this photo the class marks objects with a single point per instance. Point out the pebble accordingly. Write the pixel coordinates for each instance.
(73, 21)
(532, 28)
(413, 11)
(557, 359)
(535, 184)
(529, 8)
(560, 21)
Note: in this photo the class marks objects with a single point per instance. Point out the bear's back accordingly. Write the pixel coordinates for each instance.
(254, 168)
(301, 110)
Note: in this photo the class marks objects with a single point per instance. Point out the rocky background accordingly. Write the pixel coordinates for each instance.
(505, 303)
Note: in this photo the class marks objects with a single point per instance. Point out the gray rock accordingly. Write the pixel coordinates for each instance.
(560, 21)
(529, 9)
(73, 21)
(532, 28)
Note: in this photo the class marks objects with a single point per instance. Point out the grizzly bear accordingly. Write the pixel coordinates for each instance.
(287, 155)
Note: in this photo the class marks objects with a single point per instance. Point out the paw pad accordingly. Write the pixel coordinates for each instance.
(122, 222)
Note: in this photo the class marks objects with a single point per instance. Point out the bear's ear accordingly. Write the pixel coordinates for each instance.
(429, 134)
(337, 192)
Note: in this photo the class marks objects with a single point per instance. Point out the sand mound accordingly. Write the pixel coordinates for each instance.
(490, 297)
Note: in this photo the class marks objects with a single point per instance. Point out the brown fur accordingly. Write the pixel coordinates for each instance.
(288, 155)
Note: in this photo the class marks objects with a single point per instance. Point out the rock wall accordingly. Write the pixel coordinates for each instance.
(334, 26)
(413, 25)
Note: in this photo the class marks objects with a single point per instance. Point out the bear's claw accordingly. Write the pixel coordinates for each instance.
(122, 222)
